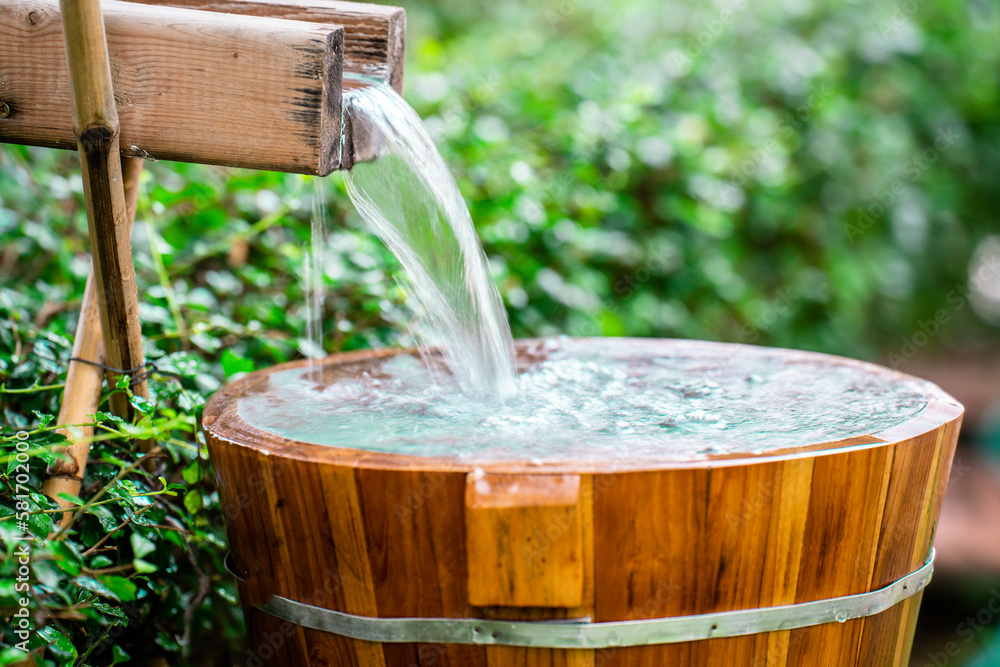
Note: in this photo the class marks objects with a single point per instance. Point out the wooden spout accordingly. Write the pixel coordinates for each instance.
(374, 35)
(254, 88)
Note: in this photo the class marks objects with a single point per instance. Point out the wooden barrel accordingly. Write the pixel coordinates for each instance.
(383, 535)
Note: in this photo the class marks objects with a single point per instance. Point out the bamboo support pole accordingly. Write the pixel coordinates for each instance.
(95, 124)
(82, 393)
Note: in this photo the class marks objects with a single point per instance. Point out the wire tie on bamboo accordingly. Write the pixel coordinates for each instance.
(149, 369)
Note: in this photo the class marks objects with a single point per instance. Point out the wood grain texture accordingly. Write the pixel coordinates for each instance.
(579, 508)
(81, 396)
(374, 47)
(111, 249)
(86, 52)
(95, 126)
(374, 35)
(658, 540)
(524, 540)
(194, 86)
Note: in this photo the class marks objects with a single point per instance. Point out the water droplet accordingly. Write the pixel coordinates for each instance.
(571, 403)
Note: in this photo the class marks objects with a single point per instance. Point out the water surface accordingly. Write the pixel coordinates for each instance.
(592, 400)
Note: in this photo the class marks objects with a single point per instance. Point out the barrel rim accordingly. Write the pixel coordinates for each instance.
(222, 422)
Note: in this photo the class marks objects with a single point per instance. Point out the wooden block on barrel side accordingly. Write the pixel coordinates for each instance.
(524, 540)
(374, 35)
(193, 86)
(658, 540)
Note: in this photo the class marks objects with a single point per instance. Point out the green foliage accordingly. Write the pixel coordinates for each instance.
(689, 169)
(140, 571)
(806, 174)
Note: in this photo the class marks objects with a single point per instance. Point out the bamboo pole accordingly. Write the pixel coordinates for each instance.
(95, 123)
(82, 393)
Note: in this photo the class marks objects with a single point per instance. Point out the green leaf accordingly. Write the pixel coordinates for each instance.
(70, 498)
(192, 501)
(107, 416)
(122, 587)
(112, 614)
(105, 516)
(141, 546)
(44, 419)
(143, 405)
(40, 525)
(233, 363)
(125, 491)
(174, 537)
(119, 656)
(95, 586)
(144, 567)
(67, 557)
(47, 573)
(50, 457)
(11, 656)
(59, 643)
(192, 472)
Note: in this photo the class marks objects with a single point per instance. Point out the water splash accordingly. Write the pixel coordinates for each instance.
(611, 400)
(410, 200)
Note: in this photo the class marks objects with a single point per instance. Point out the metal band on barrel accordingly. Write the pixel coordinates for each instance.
(582, 634)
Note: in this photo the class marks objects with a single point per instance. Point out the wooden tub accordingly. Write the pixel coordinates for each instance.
(381, 535)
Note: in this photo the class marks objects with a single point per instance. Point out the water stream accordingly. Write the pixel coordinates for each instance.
(609, 400)
(410, 200)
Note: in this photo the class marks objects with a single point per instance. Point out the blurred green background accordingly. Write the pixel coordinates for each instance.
(819, 175)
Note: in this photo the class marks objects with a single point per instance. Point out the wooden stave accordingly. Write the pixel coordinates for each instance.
(384, 583)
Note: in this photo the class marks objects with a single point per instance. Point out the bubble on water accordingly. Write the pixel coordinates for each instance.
(592, 400)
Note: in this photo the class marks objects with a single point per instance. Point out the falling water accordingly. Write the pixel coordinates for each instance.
(315, 285)
(612, 400)
(410, 200)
